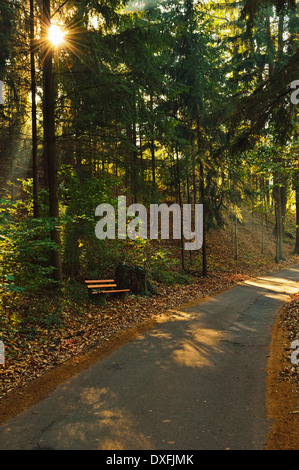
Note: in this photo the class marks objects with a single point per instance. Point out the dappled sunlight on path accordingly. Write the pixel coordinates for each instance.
(195, 380)
(199, 350)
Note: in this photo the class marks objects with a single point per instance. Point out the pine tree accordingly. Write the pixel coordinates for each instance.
(50, 139)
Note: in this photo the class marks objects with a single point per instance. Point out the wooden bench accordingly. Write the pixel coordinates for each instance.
(103, 286)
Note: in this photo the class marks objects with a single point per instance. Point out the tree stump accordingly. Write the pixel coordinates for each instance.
(133, 278)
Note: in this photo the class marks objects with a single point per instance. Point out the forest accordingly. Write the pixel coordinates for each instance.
(163, 102)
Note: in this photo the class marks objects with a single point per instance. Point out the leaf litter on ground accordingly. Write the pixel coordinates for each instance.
(83, 324)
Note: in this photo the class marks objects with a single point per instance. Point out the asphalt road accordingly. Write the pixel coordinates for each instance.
(195, 382)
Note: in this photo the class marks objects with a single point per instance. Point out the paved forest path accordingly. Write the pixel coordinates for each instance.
(194, 381)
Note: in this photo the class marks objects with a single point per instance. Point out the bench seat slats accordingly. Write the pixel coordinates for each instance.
(95, 286)
(111, 291)
(100, 286)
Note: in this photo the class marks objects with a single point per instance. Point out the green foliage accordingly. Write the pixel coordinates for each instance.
(163, 268)
(25, 248)
(83, 254)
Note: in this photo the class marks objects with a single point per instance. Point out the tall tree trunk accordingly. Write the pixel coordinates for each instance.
(284, 201)
(132, 137)
(296, 250)
(179, 196)
(278, 191)
(270, 45)
(33, 117)
(262, 222)
(188, 185)
(194, 185)
(279, 243)
(135, 165)
(280, 37)
(236, 238)
(152, 144)
(49, 138)
(202, 198)
(142, 181)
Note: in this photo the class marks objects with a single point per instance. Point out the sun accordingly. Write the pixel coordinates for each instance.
(56, 35)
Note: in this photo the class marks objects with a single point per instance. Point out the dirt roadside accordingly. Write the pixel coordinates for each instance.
(282, 383)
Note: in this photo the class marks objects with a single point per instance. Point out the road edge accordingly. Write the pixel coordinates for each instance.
(281, 394)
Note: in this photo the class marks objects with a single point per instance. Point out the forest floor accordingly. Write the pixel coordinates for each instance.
(84, 331)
